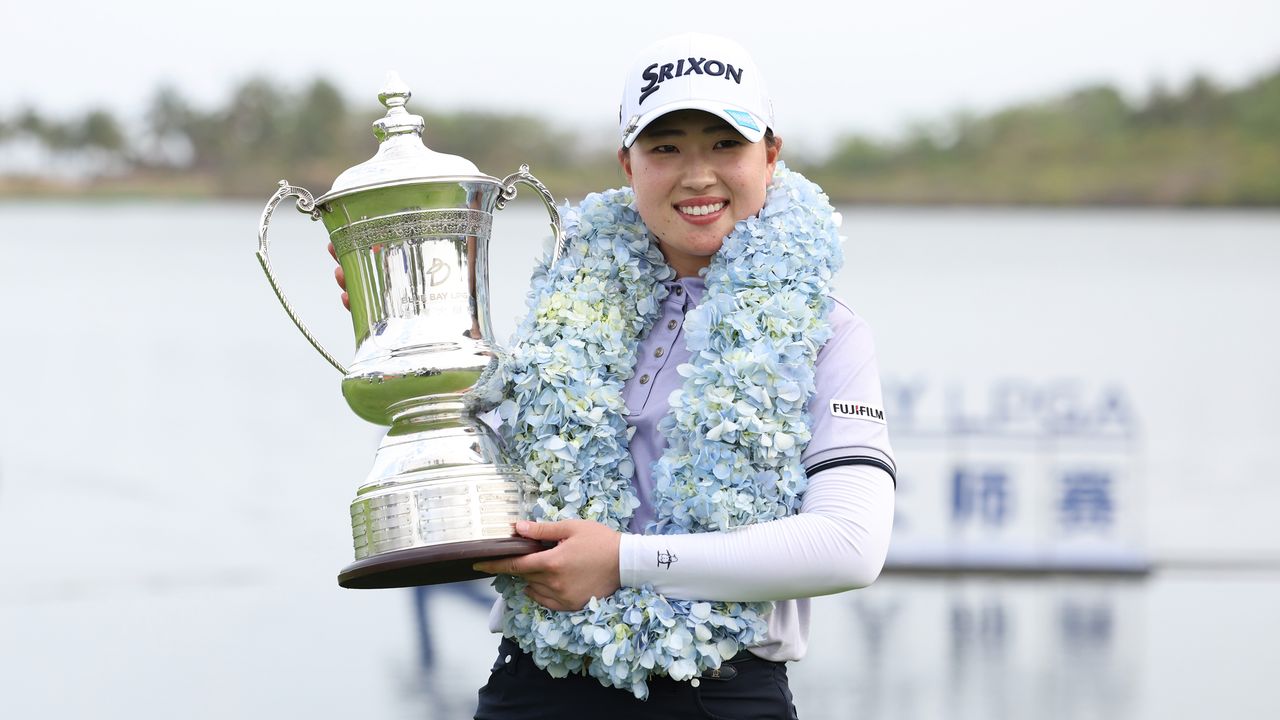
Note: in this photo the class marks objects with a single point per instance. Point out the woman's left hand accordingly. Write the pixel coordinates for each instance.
(582, 565)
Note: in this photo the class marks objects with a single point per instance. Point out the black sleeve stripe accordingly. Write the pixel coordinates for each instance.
(840, 462)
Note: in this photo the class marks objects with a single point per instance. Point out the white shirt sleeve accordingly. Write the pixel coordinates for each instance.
(837, 542)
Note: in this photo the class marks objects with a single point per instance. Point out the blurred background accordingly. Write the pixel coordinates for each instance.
(1063, 224)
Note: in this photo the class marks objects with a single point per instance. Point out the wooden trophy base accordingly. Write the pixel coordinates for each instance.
(432, 565)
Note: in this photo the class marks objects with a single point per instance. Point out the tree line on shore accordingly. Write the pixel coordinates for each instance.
(1201, 144)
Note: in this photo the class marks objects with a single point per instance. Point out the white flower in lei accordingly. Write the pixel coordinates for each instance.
(734, 435)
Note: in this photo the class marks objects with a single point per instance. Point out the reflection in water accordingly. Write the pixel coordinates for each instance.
(972, 646)
(435, 689)
(475, 592)
(960, 646)
(980, 636)
(1095, 677)
(874, 620)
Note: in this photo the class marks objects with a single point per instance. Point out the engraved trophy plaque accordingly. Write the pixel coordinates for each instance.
(411, 229)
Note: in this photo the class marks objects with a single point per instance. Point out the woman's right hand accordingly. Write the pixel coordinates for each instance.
(341, 277)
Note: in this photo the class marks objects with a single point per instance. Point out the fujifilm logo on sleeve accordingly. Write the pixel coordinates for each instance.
(857, 411)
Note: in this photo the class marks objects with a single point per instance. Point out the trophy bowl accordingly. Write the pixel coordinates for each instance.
(411, 230)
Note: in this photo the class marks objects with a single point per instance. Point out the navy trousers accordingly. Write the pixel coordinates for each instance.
(748, 688)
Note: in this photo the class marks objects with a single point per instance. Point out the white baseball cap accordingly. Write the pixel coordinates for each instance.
(694, 71)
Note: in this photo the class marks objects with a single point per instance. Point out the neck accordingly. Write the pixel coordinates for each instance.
(685, 265)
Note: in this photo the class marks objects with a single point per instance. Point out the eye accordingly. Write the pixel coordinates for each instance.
(727, 143)
(664, 149)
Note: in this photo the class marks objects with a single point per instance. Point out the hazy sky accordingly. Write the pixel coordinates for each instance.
(868, 66)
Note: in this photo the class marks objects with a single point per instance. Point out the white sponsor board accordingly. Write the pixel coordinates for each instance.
(1015, 475)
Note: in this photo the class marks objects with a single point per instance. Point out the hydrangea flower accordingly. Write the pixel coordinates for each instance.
(735, 431)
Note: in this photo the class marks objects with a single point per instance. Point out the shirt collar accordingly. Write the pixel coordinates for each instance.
(694, 288)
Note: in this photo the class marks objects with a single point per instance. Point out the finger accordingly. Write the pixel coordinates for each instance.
(558, 530)
(546, 600)
(523, 565)
(340, 276)
(541, 589)
(333, 253)
(539, 598)
(492, 567)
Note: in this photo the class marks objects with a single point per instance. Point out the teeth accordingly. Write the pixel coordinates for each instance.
(702, 209)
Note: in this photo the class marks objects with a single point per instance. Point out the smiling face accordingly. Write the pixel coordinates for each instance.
(694, 177)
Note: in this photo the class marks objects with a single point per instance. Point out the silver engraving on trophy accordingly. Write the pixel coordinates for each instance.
(411, 230)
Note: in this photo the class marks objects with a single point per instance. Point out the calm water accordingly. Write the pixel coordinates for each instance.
(176, 463)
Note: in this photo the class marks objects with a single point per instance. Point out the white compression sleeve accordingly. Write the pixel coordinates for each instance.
(838, 541)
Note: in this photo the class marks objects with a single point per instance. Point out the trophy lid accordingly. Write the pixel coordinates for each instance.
(402, 158)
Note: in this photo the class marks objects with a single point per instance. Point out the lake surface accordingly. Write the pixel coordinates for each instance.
(176, 464)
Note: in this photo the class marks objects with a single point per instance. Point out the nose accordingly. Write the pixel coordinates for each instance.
(698, 173)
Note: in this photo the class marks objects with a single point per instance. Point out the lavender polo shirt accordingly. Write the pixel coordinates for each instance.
(846, 411)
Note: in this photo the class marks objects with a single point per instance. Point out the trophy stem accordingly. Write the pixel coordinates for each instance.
(420, 417)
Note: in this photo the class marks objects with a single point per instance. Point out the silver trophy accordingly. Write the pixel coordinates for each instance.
(411, 229)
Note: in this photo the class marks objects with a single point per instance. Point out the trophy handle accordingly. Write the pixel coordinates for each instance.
(306, 204)
(509, 193)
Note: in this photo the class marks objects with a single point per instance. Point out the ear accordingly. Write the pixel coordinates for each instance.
(771, 154)
(624, 159)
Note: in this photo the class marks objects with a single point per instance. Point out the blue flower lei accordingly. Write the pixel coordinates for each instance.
(735, 430)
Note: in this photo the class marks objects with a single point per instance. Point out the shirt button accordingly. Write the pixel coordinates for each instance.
(679, 290)
(658, 352)
(644, 379)
(671, 325)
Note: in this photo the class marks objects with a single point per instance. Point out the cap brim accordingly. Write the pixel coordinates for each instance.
(743, 121)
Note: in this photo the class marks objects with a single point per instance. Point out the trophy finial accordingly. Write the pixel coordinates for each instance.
(394, 96)
(395, 93)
